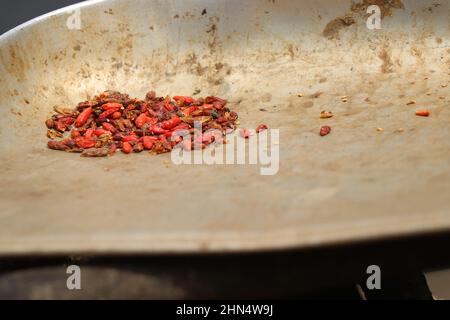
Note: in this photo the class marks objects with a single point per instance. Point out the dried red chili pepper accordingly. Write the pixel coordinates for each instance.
(141, 120)
(95, 153)
(104, 115)
(116, 115)
(187, 112)
(56, 145)
(148, 142)
(84, 143)
(100, 132)
(138, 147)
(156, 129)
(109, 127)
(185, 100)
(83, 117)
(130, 138)
(126, 148)
(50, 123)
(60, 126)
(170, 124)
(112, 105)
(325, 130)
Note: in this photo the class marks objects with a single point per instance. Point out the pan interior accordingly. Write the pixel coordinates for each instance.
(357, 183)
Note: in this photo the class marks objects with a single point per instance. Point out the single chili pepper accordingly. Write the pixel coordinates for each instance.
(187, 112)
(84, 143)
(141, 120)
(130, 138)
(57, 145)
(68, 142)
(170, 124)
(89, 133)
(138, 147)
(148, 142)
(60, 126)
(149, 138)
(116, 115)
(185, 100)
(112, 105)
(100, 132)
(104, 115)
(156, 129)
(83, 117)
(87, 104)
(109, 127)
(50, 123)
(423, 113)
(261, 128)
(95, 153)
(325, 130)
(126, 148)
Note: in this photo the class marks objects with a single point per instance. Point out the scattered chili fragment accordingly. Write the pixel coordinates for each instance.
(423, 113)
(261, 128)
(326, 115)
(325, 130)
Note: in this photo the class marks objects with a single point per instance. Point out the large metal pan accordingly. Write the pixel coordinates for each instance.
(357, 183)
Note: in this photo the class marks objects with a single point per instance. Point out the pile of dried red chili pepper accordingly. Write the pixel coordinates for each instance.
(112, 121)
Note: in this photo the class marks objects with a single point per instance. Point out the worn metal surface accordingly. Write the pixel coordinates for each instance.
(355, 184)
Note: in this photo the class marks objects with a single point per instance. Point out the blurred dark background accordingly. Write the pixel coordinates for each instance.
(15, 12)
